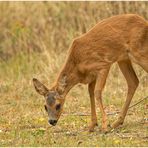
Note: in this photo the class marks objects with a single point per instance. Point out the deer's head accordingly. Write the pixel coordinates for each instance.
(54, 101)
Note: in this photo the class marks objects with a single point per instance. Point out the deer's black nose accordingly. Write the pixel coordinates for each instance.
(52, 122)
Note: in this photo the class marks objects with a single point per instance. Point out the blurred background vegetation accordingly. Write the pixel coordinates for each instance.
(34, 40)
(25, 25)
(31, 28)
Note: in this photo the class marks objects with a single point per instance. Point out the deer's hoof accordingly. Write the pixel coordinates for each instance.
(116, 124)
(92, 126)
(105, 129)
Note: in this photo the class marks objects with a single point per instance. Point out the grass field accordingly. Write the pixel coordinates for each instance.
(34, 40)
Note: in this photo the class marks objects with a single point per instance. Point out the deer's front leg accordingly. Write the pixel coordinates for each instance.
(100, 83)
(91, 87)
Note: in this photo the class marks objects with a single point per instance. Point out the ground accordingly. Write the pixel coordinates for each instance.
(23, 120)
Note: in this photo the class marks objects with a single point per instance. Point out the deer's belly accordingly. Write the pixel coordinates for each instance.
(87, 78)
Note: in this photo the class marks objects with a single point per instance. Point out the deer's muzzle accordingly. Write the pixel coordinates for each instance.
(52, 122)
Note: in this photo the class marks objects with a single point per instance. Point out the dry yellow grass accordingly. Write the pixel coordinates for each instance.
(34, 39)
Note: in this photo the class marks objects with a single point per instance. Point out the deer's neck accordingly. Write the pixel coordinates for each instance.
(67, 79)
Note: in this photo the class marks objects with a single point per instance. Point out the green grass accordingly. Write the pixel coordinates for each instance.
(34, 39)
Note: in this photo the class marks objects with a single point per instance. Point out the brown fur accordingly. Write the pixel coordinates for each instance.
(122, 39)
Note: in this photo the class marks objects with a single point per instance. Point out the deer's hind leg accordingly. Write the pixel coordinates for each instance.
(132, 82)
(140, 57)
(139, 48)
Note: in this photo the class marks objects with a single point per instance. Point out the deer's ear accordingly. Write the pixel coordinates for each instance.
(40, 88)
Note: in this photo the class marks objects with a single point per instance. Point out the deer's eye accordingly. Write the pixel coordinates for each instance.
(45, 108)
(58, 106)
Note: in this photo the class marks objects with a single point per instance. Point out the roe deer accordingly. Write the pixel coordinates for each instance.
(121, 39)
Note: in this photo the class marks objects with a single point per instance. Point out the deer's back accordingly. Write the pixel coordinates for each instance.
(107, 42)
